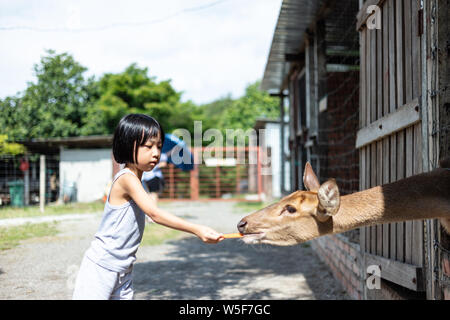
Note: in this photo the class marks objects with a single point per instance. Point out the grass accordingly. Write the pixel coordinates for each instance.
(54, 209)
(10, 237)
(155, 234)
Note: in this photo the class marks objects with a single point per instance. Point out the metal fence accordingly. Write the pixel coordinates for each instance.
(25, 181)
(216, 178)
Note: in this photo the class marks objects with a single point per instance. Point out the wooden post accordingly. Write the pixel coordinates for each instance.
(42, 183)
(217, 181)
(442, 100)
(310, 87)
(320, 72)
(194, 177)
(26, 175)
(238, 179)
(172, 182)
(259, 174)
(252, 169)
(282, 138)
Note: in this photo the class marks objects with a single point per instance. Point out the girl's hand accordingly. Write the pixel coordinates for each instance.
(208, 235)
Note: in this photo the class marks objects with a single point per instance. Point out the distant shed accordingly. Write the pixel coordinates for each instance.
(85, 163)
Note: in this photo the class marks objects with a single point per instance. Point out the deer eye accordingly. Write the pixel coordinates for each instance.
(290, 209)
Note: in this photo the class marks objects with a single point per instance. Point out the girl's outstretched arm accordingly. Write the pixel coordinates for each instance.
(134, 189)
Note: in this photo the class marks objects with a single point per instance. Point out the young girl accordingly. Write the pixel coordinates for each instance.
(106, 269)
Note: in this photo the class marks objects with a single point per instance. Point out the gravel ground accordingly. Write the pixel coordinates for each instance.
(45, 268)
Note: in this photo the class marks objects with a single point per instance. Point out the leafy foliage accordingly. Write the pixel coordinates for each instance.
(10, 147)
(63, 103)
(54, 106)
(243, 112)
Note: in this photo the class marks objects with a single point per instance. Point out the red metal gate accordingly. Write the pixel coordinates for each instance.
(225, 173)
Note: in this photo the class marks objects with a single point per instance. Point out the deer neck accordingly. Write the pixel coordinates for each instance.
(425, 196)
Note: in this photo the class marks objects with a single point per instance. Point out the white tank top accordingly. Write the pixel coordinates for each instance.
(119, 235)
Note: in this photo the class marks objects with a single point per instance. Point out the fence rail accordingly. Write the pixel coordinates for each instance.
(214, 179)
(20, 179)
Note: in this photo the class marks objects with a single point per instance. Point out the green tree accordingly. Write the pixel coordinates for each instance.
(54, 105)
(244, 111)
(10, 147)
(62, 103)
(131, 91)
(213, 112)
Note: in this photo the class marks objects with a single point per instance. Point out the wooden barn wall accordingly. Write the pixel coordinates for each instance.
(390, 80)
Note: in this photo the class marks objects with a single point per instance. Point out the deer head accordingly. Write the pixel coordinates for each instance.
(305, 215)
(297, 217)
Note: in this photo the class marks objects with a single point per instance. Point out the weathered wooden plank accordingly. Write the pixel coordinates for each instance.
(368, 185)
(379, 71)
(415, 47)
(310, 87)
(373, 75)
(386, 226)
(385, 31)
(362, 184)
(368, 75)
(403, 117)
(409, 146)
(379, 181)
(408, 50)
(399, 51)
(373, 183)
(418, 226)
(393, 178)
(362, 68)
(406, 275)
(392, 57)
(418, 148)
(409, 139)
(400, 175)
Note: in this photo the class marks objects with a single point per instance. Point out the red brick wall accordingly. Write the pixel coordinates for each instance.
(344, 260)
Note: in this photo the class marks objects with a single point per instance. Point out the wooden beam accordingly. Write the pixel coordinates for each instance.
(403, 117)
(404, 274)
(310, 85)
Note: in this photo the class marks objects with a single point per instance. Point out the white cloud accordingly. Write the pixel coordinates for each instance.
(207, 53)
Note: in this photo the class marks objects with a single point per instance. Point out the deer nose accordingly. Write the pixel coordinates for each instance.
(241, 225)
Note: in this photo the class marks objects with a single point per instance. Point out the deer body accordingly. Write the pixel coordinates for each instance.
(305, 215)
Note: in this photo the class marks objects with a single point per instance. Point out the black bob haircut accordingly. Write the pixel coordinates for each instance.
(133, 131)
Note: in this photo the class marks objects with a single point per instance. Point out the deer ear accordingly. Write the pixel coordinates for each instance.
(310, 180)
(329, 200)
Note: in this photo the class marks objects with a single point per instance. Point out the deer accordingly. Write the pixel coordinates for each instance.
(320, 210)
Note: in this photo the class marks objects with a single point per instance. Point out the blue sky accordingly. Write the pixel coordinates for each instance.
(209, 48)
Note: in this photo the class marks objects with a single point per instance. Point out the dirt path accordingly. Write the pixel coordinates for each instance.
(45, 268)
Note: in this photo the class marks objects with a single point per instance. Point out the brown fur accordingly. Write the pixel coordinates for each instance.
(424, 196)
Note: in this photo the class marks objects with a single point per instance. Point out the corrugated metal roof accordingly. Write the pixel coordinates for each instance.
(294, 18)
(49, 144)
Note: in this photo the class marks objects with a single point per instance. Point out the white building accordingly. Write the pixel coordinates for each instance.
(269, 140)
(86, 165)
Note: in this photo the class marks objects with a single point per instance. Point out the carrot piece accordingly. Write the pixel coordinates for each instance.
(232, 235)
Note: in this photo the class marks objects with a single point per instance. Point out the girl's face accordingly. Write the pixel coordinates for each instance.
(149, 154)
